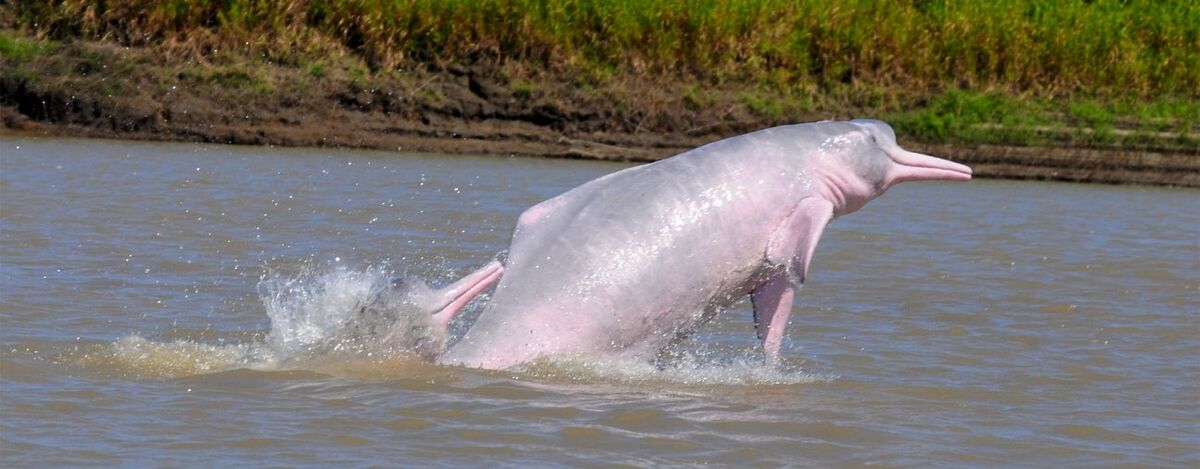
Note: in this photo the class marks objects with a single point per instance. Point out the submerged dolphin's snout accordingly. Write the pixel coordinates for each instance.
(912, 166)
(449, 301)
(412, 317)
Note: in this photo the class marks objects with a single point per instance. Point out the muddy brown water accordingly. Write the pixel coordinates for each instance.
(155, 300)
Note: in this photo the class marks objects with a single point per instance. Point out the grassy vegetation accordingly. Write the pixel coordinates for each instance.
(1001, 71)
(992, 117)
(21, 49)
(1114, 47)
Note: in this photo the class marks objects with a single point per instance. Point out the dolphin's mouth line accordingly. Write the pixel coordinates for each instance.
(917, 167)
(949, 171)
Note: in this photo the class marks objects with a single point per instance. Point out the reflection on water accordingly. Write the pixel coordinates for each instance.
(167, 303)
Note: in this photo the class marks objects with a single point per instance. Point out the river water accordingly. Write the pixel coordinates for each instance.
(155, 299)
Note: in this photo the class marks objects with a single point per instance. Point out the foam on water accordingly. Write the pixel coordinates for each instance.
(318, 321)
(145, 357)
(690, 369)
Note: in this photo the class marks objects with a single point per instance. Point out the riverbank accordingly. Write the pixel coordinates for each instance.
(506, 138)
(173, 91)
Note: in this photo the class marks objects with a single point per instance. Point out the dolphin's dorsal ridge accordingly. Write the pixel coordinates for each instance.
(536, 213)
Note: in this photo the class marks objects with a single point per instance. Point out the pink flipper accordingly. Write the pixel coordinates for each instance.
(791, 246)
(772, 304)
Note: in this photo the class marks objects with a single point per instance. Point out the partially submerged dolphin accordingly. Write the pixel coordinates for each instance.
(628, 263)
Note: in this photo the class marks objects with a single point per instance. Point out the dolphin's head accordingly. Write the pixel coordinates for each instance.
(881, 163)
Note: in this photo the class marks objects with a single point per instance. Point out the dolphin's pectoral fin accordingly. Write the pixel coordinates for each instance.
(793, 242)
(449, 301)
(791, 246)
(772, 304)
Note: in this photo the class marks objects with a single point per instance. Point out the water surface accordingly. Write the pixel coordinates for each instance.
(151, 296)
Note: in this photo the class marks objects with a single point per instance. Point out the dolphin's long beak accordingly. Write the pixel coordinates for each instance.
(912, 166)
(450, 301)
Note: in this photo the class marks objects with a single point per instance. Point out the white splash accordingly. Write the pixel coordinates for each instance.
(307, 308)
(318, 317)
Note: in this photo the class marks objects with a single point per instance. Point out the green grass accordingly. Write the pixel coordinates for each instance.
(316, 69)
(357, 73)
(1102, 47)
(226, 78)
(20, 49)
(523, 88)
(963, 116)
(763, 104)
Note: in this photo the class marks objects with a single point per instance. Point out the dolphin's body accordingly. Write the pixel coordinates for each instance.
(629, 262)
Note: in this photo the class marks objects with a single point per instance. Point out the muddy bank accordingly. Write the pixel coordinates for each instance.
(101, 90)
(515, 138)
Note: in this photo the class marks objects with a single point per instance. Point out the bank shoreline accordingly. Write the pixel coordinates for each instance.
(99, 88)
(499, 138)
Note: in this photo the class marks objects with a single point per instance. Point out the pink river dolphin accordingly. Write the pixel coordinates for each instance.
(626, 264)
